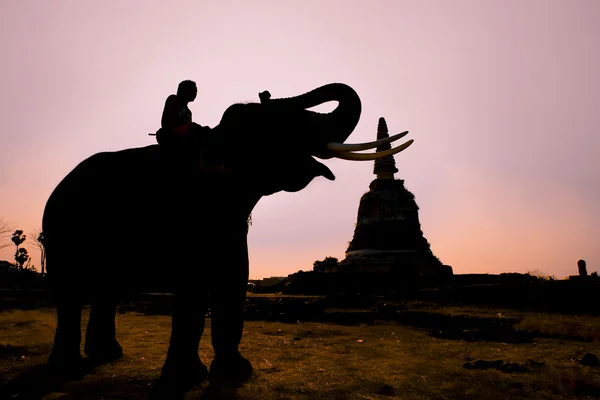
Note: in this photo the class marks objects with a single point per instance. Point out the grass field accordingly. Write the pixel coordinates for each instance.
(536, 357)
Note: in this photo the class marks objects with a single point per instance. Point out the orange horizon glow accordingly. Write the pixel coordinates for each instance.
(500, 97)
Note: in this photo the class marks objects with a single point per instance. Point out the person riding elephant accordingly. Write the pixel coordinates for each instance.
(180, 136)
(176, 121)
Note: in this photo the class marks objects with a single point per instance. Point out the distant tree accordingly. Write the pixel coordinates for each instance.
(273, 280)
(38, 241)
(18, 238)
(320, 266)
(21, 257)
(5, 229)
(541, 275)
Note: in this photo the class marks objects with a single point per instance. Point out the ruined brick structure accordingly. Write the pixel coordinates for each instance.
(388, 236)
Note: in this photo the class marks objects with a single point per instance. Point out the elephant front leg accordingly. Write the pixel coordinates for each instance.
(183, 367)
(228, 298)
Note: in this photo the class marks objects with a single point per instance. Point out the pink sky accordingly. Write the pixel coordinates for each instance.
(501, 97)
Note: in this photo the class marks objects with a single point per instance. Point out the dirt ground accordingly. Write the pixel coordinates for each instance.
(433, 353)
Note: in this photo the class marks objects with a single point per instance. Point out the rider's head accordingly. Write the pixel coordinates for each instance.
(187, 90)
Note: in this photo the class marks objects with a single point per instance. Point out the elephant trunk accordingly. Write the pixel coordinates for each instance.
(335, 126)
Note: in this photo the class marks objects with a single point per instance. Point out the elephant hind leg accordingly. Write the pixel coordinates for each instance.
(66, 353)
(100, 336)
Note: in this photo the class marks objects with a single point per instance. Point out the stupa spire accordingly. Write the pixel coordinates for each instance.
(384, 167)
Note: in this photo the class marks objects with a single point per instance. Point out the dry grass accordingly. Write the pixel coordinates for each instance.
(577, 327)
(323, 361)
(560, 325)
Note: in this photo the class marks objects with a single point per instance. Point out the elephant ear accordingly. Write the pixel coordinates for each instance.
(293, 179)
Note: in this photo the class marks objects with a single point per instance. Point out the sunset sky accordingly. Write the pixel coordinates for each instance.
(502, 99)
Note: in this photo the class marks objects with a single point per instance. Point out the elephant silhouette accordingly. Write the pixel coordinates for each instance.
(186, 228)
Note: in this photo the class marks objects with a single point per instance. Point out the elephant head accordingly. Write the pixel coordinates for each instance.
(274, 143)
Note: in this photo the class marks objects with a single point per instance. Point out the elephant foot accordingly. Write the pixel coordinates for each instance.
(104, 352)
(179, 377)
(235, 370)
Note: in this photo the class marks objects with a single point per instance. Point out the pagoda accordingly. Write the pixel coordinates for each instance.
(388, 237)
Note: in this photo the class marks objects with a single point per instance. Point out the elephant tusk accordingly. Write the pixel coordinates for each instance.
(373, 156)
(338, 147)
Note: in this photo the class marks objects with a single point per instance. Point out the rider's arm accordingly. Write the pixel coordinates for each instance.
(169, 115)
